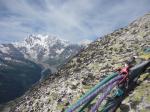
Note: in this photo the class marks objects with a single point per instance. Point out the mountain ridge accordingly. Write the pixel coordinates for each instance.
(49, 51)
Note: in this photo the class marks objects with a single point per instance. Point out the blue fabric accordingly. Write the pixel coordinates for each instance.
(147, 50)
(119, 92)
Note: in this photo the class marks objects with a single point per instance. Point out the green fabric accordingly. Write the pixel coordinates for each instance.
(96, 86)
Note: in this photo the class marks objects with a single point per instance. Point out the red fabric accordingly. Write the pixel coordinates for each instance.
(124, 71)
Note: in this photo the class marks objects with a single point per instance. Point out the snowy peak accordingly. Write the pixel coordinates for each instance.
(45, 48)
(85, 42)
(42, 40)
(38, 47)
(9, 51)
(4, 49)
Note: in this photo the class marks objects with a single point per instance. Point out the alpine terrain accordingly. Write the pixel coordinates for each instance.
(90, 66)
(22, 64)
(47, 49)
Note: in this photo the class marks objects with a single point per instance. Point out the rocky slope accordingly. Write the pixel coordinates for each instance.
(89, 67)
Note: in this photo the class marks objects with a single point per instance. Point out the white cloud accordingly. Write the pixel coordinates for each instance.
(73, 20)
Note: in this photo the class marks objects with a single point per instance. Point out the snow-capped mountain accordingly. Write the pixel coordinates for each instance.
(24, 63)
(41, 47)
(85, 42)
(9, 51)
(47, 49)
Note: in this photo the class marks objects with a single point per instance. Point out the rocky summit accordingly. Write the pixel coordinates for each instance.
(90, 66)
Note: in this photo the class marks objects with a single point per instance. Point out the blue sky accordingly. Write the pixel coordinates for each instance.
(73, 20)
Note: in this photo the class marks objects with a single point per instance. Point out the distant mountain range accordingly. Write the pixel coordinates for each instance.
(24, 63)
(41, 48)
(49, 51)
